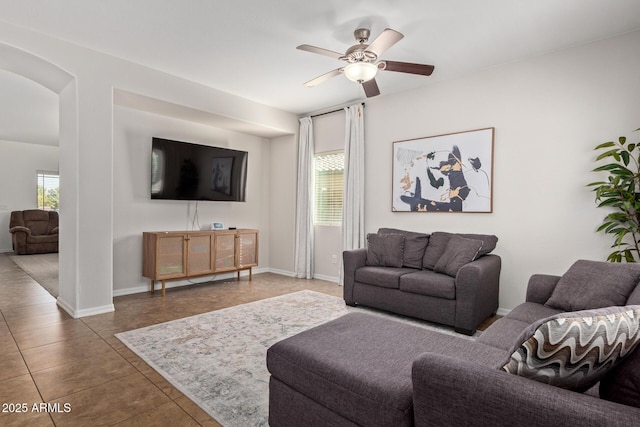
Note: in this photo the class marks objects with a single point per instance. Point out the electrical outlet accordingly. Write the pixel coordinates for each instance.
(334, 259)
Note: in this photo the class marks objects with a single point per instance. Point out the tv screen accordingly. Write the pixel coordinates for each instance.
(185, 171)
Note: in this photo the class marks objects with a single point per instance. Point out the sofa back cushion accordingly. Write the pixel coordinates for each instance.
(594, 284)
(436, 247)
(414, 246)
(622, 384)
(438, 244)
(385, 250)
(459, 251)
(489, 242)
(634, 298)
(36, 220)
(575, 350)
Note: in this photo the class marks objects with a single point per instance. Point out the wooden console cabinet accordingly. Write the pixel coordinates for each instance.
(170, 255)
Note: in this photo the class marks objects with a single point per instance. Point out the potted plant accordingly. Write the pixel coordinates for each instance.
(621, 192)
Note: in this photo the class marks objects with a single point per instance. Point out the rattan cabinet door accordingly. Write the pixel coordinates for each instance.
(199, 257)
(225, 251)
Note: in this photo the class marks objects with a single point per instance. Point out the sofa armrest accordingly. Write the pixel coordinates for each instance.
(477, 292)
(19, 228)
(449, 391)
(351, 261)
(541, 287)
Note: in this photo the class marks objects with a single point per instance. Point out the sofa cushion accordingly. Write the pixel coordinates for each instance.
(531, 312)
(42, 238)
(385, 250)
(459, 251)
(436, 247)
(634, 298)
(489, 242)
(36, 220)
(427, 282)
(384, 277)
(414, 246)
(622, 384)
(594, 284)
(503, 333)
(438, 244)
(575, 350)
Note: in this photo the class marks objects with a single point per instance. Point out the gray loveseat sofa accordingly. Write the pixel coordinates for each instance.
(368, 370)
(441, 277)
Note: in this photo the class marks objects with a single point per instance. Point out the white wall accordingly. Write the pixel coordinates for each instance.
(19, 163)
(548, 113)
(85, 81)
(282, 203)
(135, 212)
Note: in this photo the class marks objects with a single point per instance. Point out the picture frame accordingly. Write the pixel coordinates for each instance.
(444, 173)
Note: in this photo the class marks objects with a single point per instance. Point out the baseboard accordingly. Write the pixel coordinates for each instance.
(187, 282)
(327, 278)
(282, 272)
(503, 311)
(315, 276)
(86, 312)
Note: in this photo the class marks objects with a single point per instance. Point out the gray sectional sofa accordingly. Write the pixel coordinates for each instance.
(441, 277)
(370, 370)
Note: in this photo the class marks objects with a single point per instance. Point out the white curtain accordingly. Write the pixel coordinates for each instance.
(353, 235)
(303, 262)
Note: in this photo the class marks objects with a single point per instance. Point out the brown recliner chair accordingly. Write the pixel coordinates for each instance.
(34, 231)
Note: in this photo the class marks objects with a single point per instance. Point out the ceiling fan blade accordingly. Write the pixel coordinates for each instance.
(371, 88)
(384, 41)
(324, 77)
(407, 67)
(320, 51)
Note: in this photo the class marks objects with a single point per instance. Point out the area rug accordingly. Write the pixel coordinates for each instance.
(43, 268)
(217, 359)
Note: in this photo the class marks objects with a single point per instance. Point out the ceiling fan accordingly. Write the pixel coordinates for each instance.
(363, 63)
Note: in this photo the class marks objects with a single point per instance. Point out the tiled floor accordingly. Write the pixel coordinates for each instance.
(46, 356)
(85, 374)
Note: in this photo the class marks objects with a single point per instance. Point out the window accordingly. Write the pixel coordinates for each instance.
(48, 185)
(329, 177)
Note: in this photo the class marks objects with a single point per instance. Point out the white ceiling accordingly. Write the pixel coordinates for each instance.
(248, 47)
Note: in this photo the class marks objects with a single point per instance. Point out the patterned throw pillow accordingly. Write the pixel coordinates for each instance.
(575, 350)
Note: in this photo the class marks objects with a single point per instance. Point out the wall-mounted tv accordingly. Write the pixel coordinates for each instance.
(186, 171)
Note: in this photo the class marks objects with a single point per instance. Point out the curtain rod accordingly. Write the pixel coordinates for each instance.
(330, 112)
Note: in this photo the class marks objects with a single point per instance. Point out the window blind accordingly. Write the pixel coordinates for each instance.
(329, 178)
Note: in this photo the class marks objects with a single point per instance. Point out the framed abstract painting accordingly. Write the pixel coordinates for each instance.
(444, 173)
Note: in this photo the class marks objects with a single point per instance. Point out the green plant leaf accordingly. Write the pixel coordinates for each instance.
(622, 140)
(609, 153)
(605, 145)
(625, 157)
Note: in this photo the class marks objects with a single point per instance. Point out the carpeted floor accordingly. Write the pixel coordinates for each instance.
(217, 359)
(43, 268)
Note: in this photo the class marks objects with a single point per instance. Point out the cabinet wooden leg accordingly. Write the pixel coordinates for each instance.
(153, 286)
(163, 288)
(250, 273)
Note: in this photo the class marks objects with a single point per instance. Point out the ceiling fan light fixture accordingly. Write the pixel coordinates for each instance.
(360, 72)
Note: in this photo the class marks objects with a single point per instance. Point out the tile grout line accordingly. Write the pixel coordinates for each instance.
(26, 365)
(141, 373)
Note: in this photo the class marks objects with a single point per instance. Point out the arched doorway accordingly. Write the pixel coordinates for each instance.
(62, 83)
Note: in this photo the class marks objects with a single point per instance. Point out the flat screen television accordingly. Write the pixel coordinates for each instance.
(186, 171)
